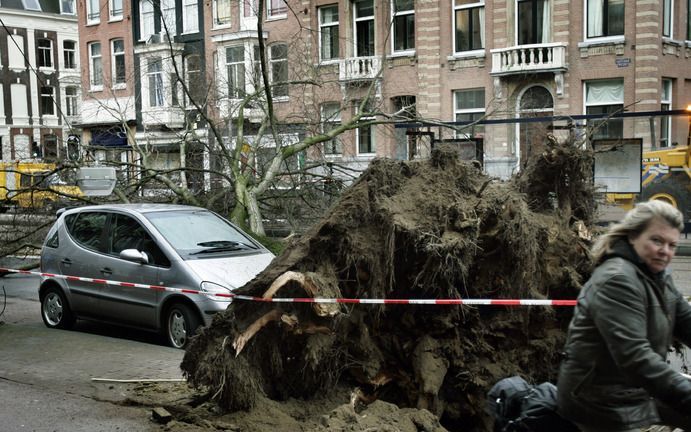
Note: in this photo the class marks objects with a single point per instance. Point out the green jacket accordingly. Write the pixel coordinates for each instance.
(615, 355)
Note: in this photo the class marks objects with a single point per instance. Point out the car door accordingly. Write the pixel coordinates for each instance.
(80, 257)
(123, 303)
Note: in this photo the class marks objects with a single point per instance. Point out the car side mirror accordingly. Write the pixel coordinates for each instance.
(135, 256)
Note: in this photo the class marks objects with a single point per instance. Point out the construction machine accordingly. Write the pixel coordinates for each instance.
(34, 185)
(666, 176)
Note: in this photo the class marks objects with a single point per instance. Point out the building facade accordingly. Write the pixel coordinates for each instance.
(39, 90)
(329, 62)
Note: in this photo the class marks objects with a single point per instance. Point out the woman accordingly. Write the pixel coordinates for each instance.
(614, 376)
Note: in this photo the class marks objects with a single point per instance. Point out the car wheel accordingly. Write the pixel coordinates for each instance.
(55, 311)
(181, 324)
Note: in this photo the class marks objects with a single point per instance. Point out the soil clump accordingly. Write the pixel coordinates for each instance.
(428, 229)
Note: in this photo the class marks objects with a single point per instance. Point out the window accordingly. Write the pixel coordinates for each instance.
(127, 233)
(469, 22)
(365, 133)
(195, 82)
(190, 16)
(403, 25)
(86, 228)
(67, 7)
(93, 12)
(168, 25)
(45, 53)
(96, 72)
(605, 97)
(667, 6)
(469, 106)
(235, 65)
(146, 22)
(50, 150)
(534, 22)
(71, 101)
(328, 32)
(364, 28)
(69, 53)
(330, 119)
(155, 77)
(115, 9)
(276, 8)
(118, 61)
(404, 107)
(15, 51)
(278, 66)
(605, 18)
(47, 101)
(221, 12)
(31, 5)
(666, 121)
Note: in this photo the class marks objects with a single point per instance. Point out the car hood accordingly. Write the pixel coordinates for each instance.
(232, 272)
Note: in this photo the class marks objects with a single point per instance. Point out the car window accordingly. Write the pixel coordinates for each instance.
(189, 231)
(87, 228)
(53, 239)
(127, 233)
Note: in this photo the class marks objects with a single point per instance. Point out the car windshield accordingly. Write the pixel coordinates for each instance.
(199, 232)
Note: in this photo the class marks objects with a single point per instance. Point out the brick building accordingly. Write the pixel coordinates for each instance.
(39, 88)
(442, 61)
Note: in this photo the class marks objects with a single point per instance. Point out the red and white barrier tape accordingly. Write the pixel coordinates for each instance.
(475, 302)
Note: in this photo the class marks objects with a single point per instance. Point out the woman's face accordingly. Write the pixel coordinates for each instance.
(656, 245)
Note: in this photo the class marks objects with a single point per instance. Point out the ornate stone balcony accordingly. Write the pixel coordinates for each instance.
(359, 68)
(549, 57)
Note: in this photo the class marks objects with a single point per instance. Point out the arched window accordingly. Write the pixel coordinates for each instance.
(535, 101)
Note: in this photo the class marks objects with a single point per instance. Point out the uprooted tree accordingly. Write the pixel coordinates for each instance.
(437, 228)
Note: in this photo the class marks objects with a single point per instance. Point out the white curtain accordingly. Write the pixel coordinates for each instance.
(604, 92)
(546, 22)
(595, 8)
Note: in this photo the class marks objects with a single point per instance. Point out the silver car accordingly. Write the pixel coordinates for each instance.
(183, 247)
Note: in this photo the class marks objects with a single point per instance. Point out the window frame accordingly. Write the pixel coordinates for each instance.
(473, 112)
(44, 54)
(371, 24)
(458, 7)
(279, 66)
(216, 20)
(95, 66)
(274, 10)
(71, 10)
(69, 55)
(115, 14)
(666, 105)
(71, 101)
(93, 12)
(606, 33)
(593, 123)
(193, 81)
(408, 50)
(32, 5)
(156, 92)
(190, 16)
(667, 24)
(116, 57)
(330, 119)
(328, 30)
(47, 100)
(147, 19)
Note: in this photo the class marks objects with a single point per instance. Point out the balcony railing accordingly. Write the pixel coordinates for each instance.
(172, 117)
(529, 58)
(358, 68)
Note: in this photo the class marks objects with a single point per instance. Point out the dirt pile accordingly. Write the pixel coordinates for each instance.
(423, 229)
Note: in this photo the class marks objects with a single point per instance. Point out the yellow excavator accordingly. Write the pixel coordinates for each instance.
(666, 175)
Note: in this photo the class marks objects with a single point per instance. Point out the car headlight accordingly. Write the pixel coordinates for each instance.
(211, 290)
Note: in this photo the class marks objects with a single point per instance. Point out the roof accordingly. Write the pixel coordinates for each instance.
(139, 207)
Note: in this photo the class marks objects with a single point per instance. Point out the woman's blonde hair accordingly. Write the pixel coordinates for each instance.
(635, 222)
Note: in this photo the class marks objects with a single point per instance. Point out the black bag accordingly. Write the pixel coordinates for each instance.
(520, 407)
